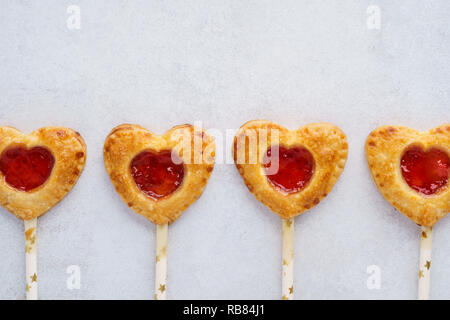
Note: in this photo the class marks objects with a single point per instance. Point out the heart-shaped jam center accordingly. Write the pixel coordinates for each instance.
(295, 167)
(156, 173)
(26, 169)
(426, 172)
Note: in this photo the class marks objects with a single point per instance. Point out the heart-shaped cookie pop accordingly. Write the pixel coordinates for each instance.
(305, 163)
(290, 172)
(38, 169)
(159, 176)
(411, 170)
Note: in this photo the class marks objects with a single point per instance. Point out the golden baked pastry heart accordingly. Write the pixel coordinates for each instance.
(411, 170)
(310, 161)
(37, 170)
(159, 176)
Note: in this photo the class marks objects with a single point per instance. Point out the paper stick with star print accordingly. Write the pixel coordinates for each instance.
(31, 259)
(161, 261)
(425, 263)
(287, 277)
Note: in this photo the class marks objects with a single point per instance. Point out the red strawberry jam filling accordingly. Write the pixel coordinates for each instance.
(26, 169)
(425, 171)
(156, 174)
(295, 168)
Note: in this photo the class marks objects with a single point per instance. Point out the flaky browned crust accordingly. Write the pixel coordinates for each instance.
(68, 149)
(127, 140)
(326, 142)
(384, 149)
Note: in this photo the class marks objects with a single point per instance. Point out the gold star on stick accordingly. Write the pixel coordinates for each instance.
(420, 274)
(28, 233)
(34, 278)
(291, 290)
(162, 288)
(428, 265)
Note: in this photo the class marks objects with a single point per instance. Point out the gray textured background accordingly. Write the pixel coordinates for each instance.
(162, 63)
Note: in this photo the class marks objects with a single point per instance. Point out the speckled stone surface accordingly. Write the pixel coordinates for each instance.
(162, 63)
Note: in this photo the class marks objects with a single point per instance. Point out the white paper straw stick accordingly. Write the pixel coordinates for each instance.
(31, 259)
(287, 277)
(161, 261)
(425, 263)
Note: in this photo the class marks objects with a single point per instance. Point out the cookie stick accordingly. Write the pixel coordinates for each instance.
(287, 276)
(425, 263)
(31, 259)
(161, 261)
